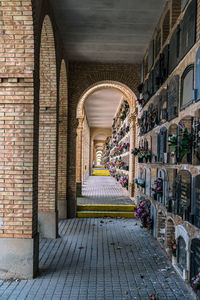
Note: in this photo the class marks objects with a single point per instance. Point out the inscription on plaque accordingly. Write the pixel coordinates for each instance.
(188, 28)
(197, 75)
(172, 97)
(163, 138)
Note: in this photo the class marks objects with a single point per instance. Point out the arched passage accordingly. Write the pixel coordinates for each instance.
(62, 143)
(47, 206)
(131, 99)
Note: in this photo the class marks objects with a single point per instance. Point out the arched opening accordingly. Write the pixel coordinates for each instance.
(161, 227)
(47, 194)
(62, 143)
(97, 107)
(170, 238)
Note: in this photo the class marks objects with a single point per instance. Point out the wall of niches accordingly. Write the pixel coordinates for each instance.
(168, 147)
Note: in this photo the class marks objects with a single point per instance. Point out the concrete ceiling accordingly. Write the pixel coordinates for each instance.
(101, 106)
(107, 30)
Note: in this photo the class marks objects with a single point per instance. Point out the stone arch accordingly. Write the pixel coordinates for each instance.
(62, 143)
(80, 115)
(47, 194)
(169, 236)
(125, 90)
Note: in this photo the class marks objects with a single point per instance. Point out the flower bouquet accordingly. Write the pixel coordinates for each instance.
(157, 187)
(143, 213)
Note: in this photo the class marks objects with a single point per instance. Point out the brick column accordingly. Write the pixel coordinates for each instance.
(18, 154)
(79, 158)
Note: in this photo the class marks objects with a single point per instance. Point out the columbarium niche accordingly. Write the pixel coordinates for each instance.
(183, 195)
(181, 254)
(185, 140)
(187, 87)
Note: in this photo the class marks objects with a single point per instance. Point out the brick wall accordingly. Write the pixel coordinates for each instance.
(20, 29)
(18, 209)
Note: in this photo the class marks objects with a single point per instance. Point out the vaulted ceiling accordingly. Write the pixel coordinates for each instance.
(101, 106)
(107, 30)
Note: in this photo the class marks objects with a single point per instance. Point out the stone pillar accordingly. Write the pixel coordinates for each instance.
(79, 158)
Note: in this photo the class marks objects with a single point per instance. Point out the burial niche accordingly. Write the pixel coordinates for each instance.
(162, 145)
(172, 97)
(181, 254)
(183, 195)
(196, 209)
(154, 220)
(185, 140)
(188, 28)
(187, 87)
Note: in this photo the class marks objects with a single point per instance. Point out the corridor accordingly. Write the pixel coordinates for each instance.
(103, 259)
(103, 190)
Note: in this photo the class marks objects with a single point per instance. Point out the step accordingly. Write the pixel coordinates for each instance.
(106, 207)
(102, 214)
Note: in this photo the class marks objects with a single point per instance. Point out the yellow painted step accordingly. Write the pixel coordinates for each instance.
(100, 171)
(102, 214)
(103, 207)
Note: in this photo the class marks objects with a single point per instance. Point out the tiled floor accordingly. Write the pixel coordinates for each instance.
(103, 190)
(100, 259)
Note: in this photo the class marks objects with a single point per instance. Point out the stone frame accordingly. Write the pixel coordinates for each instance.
(189, 69)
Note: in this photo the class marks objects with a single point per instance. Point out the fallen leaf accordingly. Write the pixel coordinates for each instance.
(119, 248)
(142, 276)
(101, 221)
(153, 297)
(112, 243)
(80, 247)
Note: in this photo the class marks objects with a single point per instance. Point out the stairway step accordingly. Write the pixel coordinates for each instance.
(102, 214)
(106, 207)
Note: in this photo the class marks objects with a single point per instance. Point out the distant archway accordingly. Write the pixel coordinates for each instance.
(80, 114)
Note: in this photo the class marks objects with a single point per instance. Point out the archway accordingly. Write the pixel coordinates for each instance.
(47, 204)
(131, 99)
(170, 237)
(62, 143)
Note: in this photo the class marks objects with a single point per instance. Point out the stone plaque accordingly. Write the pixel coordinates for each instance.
(157, 76)
(184, 195)
(154, 218)
(163, 142)
(172, 98)
(173, 51)
(164, 64)
(183, 4)
(197, 75)
(188, 29)
(195, 259)
(197, 201)
(151, 55)
(151, 83)
(187, 86)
